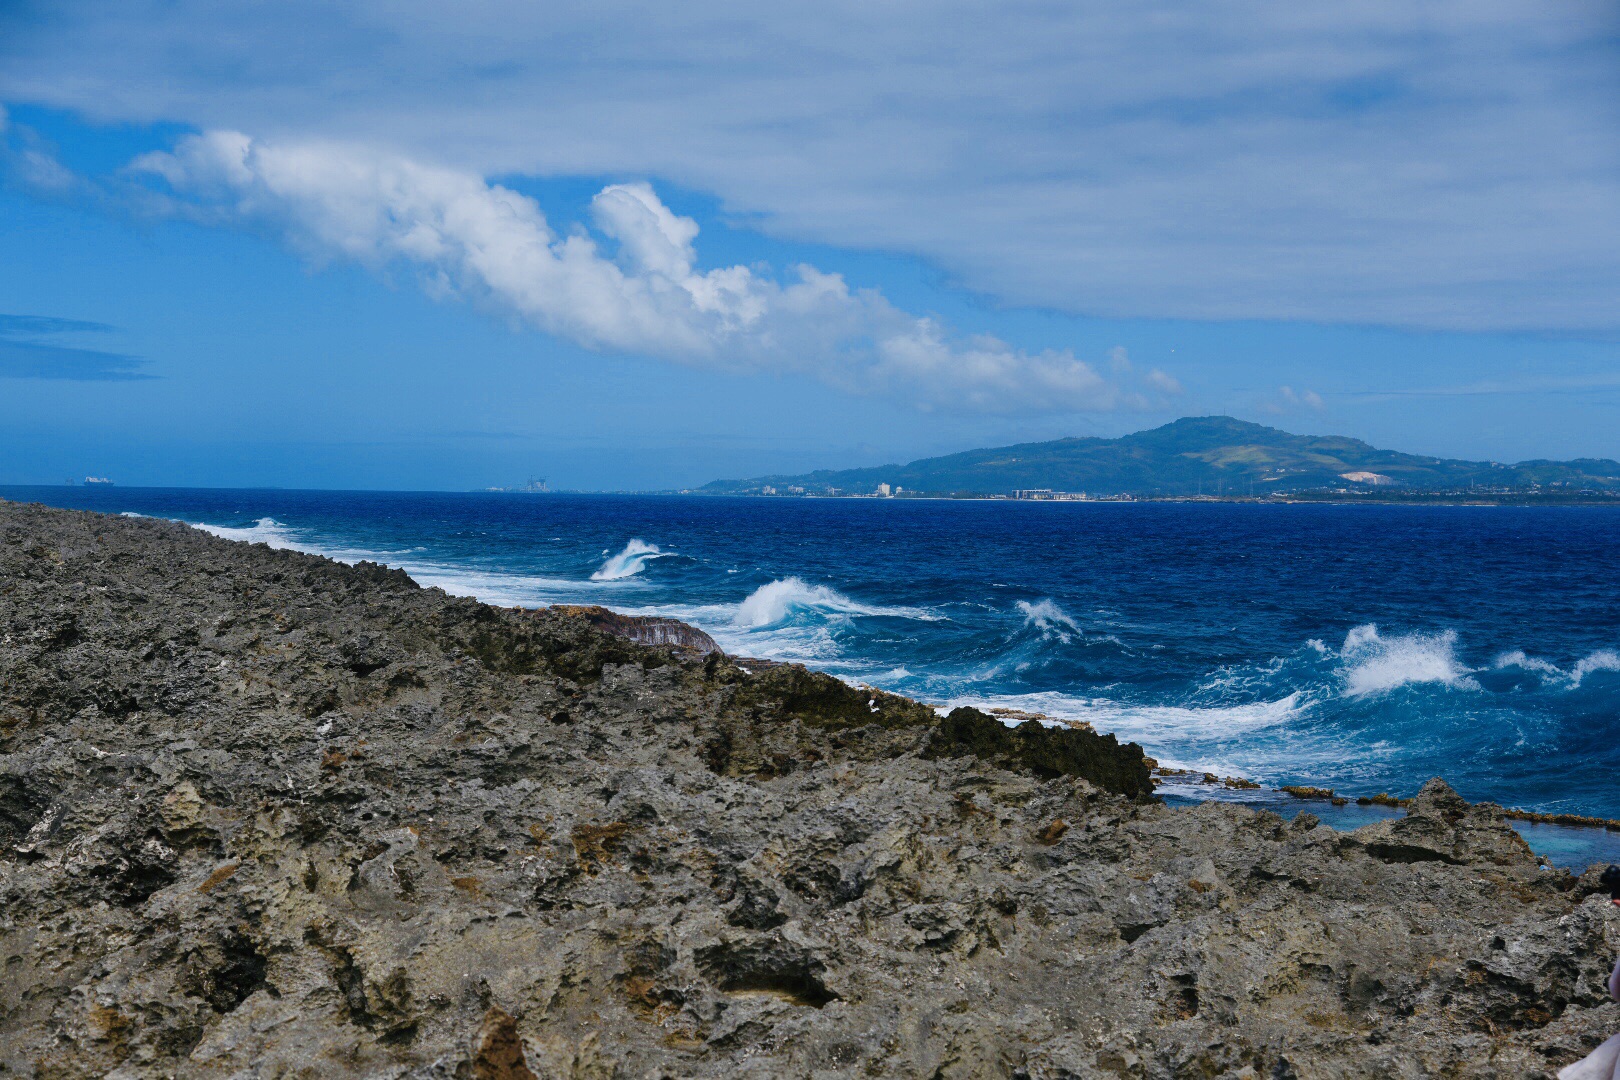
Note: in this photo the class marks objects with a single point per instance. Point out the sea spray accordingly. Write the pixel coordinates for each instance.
(1376, 664)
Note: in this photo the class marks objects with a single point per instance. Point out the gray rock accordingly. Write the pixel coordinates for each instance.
(262, 814)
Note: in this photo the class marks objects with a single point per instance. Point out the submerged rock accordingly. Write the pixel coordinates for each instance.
(262, 814)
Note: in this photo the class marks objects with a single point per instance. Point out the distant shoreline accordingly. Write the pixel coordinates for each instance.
(1292, 500)
(1369, 499)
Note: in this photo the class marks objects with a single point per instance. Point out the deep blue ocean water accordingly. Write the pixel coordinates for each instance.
(1363, 648)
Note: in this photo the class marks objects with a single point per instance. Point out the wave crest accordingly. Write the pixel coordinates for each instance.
(629, 562)
(266, 530)
(781, 599)
(1601, 660)
(776, 602)
(1049, 619)
(1375, 664)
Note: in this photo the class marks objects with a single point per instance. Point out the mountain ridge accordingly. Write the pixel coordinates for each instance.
(1208, 455)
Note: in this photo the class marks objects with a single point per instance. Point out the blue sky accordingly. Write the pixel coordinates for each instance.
(625, 246)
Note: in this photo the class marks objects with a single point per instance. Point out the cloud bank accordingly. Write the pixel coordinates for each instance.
(633, 285)
(1451, 164)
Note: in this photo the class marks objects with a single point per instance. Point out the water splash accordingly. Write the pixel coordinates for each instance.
(266, 530)
(1375, 664)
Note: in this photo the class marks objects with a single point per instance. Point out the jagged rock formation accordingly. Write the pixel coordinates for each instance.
(645, 629)
(265, 815)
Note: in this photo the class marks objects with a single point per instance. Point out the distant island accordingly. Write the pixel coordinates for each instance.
(1203, 457)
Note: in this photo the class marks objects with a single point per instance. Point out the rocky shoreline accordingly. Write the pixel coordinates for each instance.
(263, 814)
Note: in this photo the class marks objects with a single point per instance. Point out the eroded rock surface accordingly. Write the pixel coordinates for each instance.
(265, 815)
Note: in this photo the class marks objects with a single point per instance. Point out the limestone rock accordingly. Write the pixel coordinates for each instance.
(262, 814)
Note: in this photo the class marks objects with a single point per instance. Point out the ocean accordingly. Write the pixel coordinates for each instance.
(1361, 648)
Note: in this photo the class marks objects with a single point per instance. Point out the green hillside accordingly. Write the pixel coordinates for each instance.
(1211, 455)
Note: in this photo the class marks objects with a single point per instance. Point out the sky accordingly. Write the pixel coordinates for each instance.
(633, 246)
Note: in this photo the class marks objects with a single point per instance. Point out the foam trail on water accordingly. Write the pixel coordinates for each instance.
(1375, 664)
(1049, 619)
(1146, 723)
(629, 562)
(502, 589)
(1202, 738)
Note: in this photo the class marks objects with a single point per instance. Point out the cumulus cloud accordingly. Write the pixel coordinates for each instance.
(632, 286)
(1449, 164)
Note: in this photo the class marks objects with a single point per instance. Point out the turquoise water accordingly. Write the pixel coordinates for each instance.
(1362, 648)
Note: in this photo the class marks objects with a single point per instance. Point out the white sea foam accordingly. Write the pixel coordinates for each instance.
(1177, 736)
(266, 530)
(497, 588)
(1601, 660)
(502, 589)
(1518, 658)
(1146, 723)
(629, 562)
(1049, 619)
(1374, 664)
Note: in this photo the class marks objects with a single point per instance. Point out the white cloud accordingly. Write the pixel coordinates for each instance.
(1163, 381)
(644, 294)
(1448, 164)
(1289, 398)
(30, 163)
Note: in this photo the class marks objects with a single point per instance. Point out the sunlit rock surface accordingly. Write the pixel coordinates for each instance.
(262, 814)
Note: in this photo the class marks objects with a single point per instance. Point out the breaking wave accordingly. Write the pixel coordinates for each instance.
(787, 597)
(1375, 664)
(1049, 619)
(629, 562)
(1601, 660)
(266, 531)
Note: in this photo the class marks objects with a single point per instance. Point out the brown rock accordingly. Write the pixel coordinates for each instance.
(498, 1049)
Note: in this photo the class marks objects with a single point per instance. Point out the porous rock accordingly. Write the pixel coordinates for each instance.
(262, 814)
